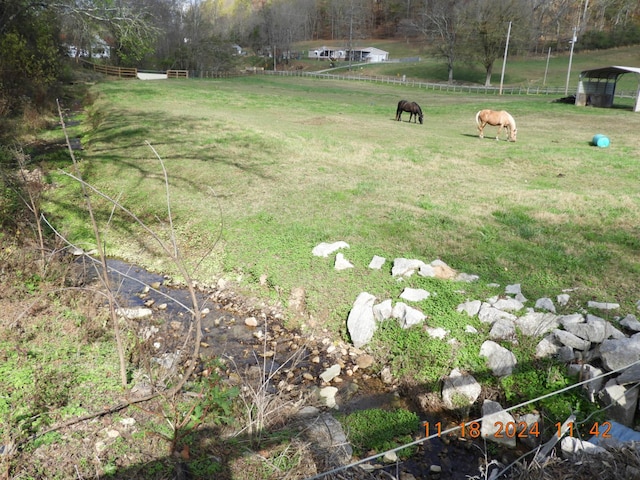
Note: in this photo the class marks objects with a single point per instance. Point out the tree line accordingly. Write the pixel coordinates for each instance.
(199, 34)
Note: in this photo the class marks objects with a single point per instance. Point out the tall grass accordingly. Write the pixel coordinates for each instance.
(294, 162)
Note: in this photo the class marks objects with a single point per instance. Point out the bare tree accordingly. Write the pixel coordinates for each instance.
(242, 23)
(387, 16)
(440, 23)
(283, 23)
(357, 25)
(488, 21)
(167, 17)
(128, 26)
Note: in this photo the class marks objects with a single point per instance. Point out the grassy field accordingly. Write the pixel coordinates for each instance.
(521, 71)
(275, 166)
(261, 170)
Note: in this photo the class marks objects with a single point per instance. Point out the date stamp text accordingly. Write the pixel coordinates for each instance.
(515, 429)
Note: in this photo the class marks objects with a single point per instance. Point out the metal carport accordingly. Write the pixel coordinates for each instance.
(597, 87)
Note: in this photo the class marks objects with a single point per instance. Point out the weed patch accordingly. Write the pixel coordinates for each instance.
(412, 353)
(536, 379)
(375, 430)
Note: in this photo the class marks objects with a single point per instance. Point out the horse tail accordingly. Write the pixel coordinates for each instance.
(513, 129)
(478, 118)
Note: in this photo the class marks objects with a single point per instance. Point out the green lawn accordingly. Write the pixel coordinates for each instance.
(262, 169)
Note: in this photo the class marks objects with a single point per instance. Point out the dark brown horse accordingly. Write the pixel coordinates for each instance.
(412, 107)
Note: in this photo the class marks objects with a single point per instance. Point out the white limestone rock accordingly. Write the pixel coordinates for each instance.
(377, 262)
(546, 304)
(361, 323)
(494, 422)
(500, 360)
(326, 249)
(471, 308)
(414, 294)
(382, 311)
(342, 263)
(460, 390)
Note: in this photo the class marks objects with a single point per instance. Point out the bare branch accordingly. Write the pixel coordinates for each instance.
(105, 272)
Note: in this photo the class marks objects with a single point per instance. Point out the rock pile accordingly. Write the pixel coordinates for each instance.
(606, 354)
(590, 345)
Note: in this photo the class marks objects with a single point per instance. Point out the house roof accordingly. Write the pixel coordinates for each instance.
(366, 49)
(608, 72)
(374, 50)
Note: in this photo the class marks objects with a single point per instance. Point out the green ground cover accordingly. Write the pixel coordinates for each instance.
(262, 169)
(277, 165)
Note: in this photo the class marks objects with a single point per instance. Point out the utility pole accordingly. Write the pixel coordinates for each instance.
(351, 37)
(504, 60)
(573, 42)
(544, 82)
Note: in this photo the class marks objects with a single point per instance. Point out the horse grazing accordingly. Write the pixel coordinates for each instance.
(412, 107)
(500, 119)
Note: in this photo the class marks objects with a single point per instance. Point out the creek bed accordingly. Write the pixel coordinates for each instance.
(282, 357)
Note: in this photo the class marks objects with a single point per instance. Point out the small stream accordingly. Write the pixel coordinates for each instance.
(285, 355)
(224, 333)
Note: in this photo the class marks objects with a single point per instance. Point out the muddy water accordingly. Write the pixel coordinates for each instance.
(286, 356)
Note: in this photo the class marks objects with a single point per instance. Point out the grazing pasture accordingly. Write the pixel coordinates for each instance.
(256, 183)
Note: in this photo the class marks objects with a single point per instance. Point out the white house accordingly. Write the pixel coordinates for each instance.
(373, 54)
(327, 53)
(99, 49)
(369, 54)
(237, 49)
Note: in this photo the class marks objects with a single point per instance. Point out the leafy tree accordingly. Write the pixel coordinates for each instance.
(29, 54)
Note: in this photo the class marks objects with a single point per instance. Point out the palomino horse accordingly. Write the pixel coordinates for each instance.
(499, 119)
(412, 107)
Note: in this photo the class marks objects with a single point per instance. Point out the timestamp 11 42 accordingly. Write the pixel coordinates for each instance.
(513, 429)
